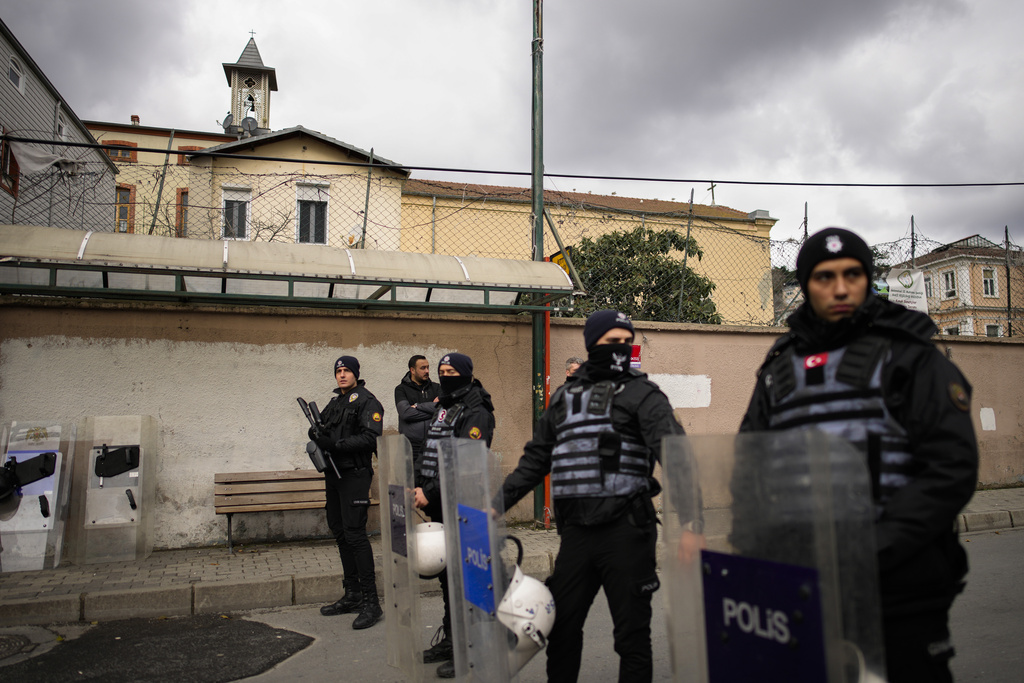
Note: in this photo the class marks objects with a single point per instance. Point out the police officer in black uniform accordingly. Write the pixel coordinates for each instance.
(352, 421)
(599, 440)
(863, 368)
(465, 412)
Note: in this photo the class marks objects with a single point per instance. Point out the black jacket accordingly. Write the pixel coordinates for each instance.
(919, 556)
(640, 410)
(413, 422)
(353, 421)
(475, 422)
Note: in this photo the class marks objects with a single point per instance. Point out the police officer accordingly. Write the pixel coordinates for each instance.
(352, 421)
(465, 412)
(416, 402)
(863, 368)
(599, 440)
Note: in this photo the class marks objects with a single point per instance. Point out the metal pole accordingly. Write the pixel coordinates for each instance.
(1009, 310)
(537, 215)
(366, 205)
(686, 252)
(913, 245)
(805, 221)
(160, 190)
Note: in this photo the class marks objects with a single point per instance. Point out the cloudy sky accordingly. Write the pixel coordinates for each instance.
(771, 91)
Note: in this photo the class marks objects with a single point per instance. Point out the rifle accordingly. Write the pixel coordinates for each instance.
(315, 454)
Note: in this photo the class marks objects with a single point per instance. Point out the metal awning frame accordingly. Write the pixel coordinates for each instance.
(384, 296)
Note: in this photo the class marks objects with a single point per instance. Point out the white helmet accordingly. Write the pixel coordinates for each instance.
(430, 557)
(528, 611)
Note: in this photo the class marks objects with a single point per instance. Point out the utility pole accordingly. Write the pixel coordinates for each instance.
(913, 245)
(537, 215)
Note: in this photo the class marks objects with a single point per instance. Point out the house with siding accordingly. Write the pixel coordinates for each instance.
(43, 179)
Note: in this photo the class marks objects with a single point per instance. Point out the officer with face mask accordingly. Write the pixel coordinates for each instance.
(599, 439)
(465, 412)
(863, 368)
(351, 423)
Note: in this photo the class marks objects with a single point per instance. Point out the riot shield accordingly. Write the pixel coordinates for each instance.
(477, 576)
(787, 587)
(402, 621)
(38, 459)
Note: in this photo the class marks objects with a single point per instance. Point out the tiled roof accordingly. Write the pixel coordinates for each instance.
(554, 197)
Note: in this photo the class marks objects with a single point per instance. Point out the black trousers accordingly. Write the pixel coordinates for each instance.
(918, 648)
(620, 558)
(348, 504)
(435, 511)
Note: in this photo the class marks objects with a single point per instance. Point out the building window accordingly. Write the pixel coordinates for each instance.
(312, 222)
(16, 74)
(236, 215)
(124, 208)
(183, 158)
(62, 127)
(9, 172)
(988, 282)
(949, 284)
(953, 331)
(928, 286)
(123, 151)
(181, 213)
(991, 330)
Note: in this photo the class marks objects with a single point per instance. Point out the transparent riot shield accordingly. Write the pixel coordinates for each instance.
(787, 586)
(477, 576)
(32, 519)
(402, 621)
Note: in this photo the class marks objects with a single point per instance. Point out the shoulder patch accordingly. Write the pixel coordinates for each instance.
(474, 433)
(958, 395)
(353, 396)
(376, 417)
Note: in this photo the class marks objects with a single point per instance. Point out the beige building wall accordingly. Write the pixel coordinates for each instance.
(222, 385)
(737, 254)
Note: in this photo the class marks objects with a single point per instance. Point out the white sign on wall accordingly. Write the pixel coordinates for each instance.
(906, 287)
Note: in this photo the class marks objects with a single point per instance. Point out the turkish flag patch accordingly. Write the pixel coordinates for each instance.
(816, 360)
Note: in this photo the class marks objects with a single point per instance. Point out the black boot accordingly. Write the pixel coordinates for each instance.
(351, 602)
(370, 614)
(440, 649)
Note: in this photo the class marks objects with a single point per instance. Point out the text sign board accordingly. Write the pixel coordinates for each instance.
(396, 499)
(906, 287)
(475, 551)
(763, 620)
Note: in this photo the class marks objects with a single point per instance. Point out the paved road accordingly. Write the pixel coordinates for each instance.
(987, 621)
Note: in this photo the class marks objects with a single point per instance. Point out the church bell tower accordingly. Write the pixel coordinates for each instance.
(251, 84)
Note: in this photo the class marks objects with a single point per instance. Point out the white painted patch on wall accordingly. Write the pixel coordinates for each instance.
(988, 419)
(685, 391)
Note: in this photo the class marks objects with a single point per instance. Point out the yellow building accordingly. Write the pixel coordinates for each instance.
(974, 287)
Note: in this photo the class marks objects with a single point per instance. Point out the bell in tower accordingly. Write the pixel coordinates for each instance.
(251, 84)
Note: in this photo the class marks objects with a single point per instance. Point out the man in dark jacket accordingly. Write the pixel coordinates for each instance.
(416, 402)
(465, 412)
(352, 421)
(599, 439)
(863, 368)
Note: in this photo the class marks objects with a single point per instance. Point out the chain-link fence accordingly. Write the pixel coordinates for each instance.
(656, 260)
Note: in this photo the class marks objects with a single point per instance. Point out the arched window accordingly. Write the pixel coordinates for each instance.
(16, 75)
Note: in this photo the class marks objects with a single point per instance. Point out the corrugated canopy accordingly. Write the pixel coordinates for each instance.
(54, 261)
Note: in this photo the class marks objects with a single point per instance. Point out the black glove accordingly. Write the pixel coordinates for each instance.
(324, 442)
(312, 433)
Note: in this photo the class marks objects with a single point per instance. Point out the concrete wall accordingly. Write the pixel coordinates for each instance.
(222, 385)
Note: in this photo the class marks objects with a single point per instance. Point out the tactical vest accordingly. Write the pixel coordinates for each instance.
(441, 427)
(840, 392)
(590, 459)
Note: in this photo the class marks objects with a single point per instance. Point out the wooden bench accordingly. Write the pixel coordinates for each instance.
(266, 492)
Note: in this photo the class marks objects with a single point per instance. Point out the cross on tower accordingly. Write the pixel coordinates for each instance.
(252, 33)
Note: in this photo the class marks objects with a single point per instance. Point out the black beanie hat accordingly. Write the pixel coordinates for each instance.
(349, 362)
(600, 322)
(827, 244)
(462, 363)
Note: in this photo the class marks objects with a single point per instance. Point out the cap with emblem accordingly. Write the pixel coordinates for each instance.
(349, 362)
(831, 243)
(462, 363)
(600, 322)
